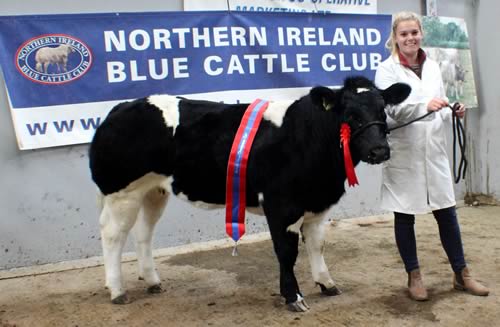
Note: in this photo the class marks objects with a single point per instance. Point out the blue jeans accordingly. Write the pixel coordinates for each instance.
(449, 232)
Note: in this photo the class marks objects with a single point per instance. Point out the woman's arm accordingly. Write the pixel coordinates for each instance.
(408, 109)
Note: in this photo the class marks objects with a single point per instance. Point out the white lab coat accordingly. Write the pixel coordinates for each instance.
(417, 178)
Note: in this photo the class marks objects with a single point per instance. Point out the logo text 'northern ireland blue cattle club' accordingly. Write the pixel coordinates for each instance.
(53, 59)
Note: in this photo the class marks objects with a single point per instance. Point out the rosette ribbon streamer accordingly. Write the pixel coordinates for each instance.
(345, 138)
(237, 170)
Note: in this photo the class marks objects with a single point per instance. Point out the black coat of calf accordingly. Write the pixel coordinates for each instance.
(152, 147)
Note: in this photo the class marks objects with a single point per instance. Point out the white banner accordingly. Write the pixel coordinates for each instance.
(288, 6)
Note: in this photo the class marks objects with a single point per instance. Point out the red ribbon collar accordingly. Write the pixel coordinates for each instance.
(345, 138)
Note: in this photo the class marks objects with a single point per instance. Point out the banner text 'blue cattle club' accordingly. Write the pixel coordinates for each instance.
(246, 62)
(54, 64)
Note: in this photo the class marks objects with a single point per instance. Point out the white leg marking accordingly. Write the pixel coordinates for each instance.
(295, 228)
(314, 235)
(100, 201)
(153, 206)
(117, 218)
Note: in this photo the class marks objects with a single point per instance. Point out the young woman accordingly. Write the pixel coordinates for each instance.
(417, 179)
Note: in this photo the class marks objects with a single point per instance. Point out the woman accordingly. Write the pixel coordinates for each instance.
(417, 179)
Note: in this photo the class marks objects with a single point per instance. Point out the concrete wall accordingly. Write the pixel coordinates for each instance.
(486, 26)
(47, 199)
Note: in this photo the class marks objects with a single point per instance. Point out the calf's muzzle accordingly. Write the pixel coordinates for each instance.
(379, 154)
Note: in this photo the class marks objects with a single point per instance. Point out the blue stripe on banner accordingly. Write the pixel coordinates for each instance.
(120, 57)
(239, 157)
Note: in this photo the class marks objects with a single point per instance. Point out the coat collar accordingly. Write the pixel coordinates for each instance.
(421, 56)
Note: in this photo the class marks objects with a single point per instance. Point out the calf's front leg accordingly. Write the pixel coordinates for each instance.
(313, 232)
(286, 248)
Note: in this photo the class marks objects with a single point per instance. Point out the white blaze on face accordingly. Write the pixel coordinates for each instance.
(169, 106)
(362, 89)
(276, 111)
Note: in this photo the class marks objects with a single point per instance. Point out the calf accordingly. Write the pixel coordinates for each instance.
(152, 147)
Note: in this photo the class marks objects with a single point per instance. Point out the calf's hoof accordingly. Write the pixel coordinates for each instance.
(299, 305)
(332, 291)
(154, 289)
(121, 299)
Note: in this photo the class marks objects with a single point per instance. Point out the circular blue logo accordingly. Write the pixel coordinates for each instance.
(53, 59)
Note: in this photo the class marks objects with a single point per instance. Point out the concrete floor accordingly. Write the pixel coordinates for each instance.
(205, 286)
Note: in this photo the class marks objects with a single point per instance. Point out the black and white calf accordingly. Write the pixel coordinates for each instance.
(150, 148)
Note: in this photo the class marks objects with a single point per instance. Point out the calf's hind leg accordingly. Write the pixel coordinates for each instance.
(152, 208)
(118, 215)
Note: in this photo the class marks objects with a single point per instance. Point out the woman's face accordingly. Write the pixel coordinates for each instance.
(408, 38)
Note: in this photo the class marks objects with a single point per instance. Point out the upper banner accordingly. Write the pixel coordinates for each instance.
(283, 6)
(65, 72)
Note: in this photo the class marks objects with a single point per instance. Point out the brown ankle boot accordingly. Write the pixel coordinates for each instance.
(416, 286)
(465, 282)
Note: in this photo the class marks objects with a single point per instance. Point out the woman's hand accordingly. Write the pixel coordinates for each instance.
(460, 112)
(436, 104)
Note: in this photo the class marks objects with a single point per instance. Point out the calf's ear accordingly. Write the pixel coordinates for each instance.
(323, 97)
(396, 93)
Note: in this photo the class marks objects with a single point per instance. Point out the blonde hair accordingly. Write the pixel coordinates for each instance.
(396, 19)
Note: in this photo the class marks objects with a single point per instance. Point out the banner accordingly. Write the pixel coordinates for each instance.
(283, 6)
(65, 72)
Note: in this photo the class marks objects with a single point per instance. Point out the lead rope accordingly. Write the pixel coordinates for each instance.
(408, 123)
(458, 132)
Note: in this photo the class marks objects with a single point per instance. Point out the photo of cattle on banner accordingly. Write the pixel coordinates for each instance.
(287, 160)
(446, 41)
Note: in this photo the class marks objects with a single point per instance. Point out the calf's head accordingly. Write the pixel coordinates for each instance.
(361, 105)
